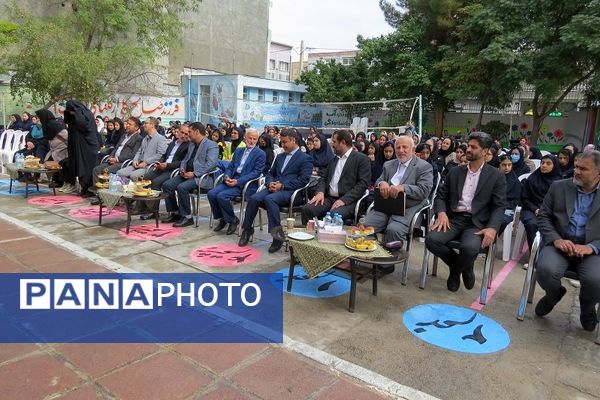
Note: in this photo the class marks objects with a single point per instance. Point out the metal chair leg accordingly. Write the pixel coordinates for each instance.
(435, 265)
(424, 268)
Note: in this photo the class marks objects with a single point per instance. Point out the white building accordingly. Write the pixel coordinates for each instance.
(343, 57)
(279, 64)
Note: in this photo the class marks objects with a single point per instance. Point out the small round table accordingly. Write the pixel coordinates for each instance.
(30, 176)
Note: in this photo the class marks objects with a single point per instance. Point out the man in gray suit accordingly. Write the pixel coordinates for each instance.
(470, 208)
(406, 174)
(201, 158)
(344, 182)
(124, 150)
(152, 148)
(569, 221)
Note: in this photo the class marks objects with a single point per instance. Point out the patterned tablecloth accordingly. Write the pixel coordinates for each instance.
(110, 199)
(318, 257)
(13, 170)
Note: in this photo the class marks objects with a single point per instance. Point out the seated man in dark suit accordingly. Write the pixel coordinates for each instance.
(126, 149)
(470, 208)
(344, 180)
(405, 174)
(247, 164)
(569, 221)
(171, 159)
(292, 170)
(201, 158)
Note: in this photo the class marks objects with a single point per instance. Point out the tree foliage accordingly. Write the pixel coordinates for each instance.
(554, 45)
(333, 82)
(7, 38)
(92, 49)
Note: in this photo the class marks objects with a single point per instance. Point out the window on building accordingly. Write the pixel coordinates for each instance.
(284, 66)
(347, 60)
(271, 64)
(290, 97)
(275, 97)
(261, 95)
(246, 95)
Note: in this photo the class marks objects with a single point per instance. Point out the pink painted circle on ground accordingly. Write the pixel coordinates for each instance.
(225, 255)
(151, 232)
(50, 201)
(91, 212)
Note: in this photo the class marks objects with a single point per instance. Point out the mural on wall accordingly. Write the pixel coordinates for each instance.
(259, 114)
(169, 108)
(218, 105)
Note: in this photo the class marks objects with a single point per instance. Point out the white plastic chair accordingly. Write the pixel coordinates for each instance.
(545, 152)
(6, 145)
(516, 229)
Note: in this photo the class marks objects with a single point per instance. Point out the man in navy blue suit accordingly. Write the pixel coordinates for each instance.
(291, 170)
(247, 164)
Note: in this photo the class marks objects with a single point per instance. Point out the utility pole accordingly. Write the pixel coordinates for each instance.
(301, 57)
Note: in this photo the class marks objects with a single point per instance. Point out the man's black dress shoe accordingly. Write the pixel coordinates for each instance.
(95, 202)
(171, 218)
(220, 225)
(146, 217)
(453, 282)
(245, 238)
(183, 222)
(275, 246)
(233, 226)
(468, 277)
(547, 303)
(588, 317)
(278, 235)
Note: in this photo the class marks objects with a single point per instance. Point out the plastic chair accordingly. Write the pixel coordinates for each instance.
(529, 282)
(6, 143)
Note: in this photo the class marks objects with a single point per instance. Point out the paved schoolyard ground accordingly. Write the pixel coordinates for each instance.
(326, 346)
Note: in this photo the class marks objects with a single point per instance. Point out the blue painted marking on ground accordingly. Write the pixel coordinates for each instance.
(327, 284)
(456, 328)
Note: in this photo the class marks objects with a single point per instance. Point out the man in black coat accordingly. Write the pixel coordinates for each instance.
(344, 182)
(83, 143)
(171, 160)
(470, 207)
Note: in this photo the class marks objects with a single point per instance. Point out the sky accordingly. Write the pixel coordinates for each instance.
(325, 24)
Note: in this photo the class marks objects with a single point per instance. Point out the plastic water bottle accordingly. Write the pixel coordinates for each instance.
(19, 160)
(339, 222)
(113, 182)
(328, 221)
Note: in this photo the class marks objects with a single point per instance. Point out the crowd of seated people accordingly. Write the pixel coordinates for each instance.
(477, 196)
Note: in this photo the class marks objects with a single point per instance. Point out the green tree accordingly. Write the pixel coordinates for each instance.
(554, 44)
(7, 38)
(409, 61)
(488, 73)
(92, 49)
(334, 82)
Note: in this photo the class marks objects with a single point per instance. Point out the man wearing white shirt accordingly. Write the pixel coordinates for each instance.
(408, 174)
(344, 182)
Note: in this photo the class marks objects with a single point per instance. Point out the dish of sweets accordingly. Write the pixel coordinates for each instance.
(360, 244)
(102, 185)
(145, 192)
(361, 230)
(142, 184)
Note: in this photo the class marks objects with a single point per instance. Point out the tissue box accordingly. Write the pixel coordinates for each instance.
(338, 237)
